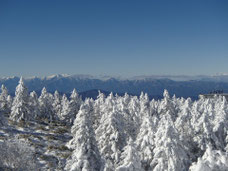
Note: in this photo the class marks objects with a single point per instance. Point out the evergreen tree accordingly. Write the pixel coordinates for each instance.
(5, 105)
(145, 141)
(20, 107)
(111, 135)
(130, 160)
(86, 155)
(75, 100)
(34, 104)
(129, 125)
(144, 103)
(220, 124)
(183, 121)
(203, 126)
(212, 160)
(185, 129)
(169, 152)
(57, 106)
(74, 106)
(167, 104)
(70, 108)
(135, 118)
(99, 109)
(9, 101)
(45, 103)
(65, 108)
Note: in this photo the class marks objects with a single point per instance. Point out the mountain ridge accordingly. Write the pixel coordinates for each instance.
(182, 86)
(216, 77)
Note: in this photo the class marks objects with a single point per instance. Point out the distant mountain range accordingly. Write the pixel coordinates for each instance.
(88, 86)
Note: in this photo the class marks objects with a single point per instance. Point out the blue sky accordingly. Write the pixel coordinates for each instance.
(114, 37)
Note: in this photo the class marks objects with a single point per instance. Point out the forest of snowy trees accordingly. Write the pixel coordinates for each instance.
(27, 107)
(129, 133)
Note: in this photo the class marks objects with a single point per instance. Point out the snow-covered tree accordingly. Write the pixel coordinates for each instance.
(220, 124)
(212, 160)
(144, 103)
(185, 129)
(128, 119)
(74, 106)
(86, 155)
(57, 106)
(70, 107)
(75, 101)
(169, 152)
(183, 121)
(167, 104)
(203, 125)
(65, 108)
(20, 107)
(4, 103)
(10, 102)
(145, 140)
(134, 119)
(130, 158)
(111, 135)
(98, 109)
(34, 104)
(45, 103)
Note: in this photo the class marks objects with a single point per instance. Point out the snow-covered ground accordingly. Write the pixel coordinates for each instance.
(48, 140)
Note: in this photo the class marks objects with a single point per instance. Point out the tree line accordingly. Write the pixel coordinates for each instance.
(28, 106)
(129, 133)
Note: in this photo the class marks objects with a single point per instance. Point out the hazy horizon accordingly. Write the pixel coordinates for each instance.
(114, 76)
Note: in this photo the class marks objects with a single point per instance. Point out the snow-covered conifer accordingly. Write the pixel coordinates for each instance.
(45, 103)
(9, 101)
(169, 152)
(57, 106)
(75, 100)
(144, 103)
(20, 107)
(183, 121)
(145, 140)
(210, 161)
(111, 134)
(203, 126)
(167, 104)
(34, 104)
(86, 155)
(134, 112)
(65, 108)
(71, 108)
(130, 158)
(99, 109)
(130, 119)
(4, 103)
(220, 124)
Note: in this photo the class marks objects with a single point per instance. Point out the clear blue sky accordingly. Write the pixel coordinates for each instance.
(113, 37)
